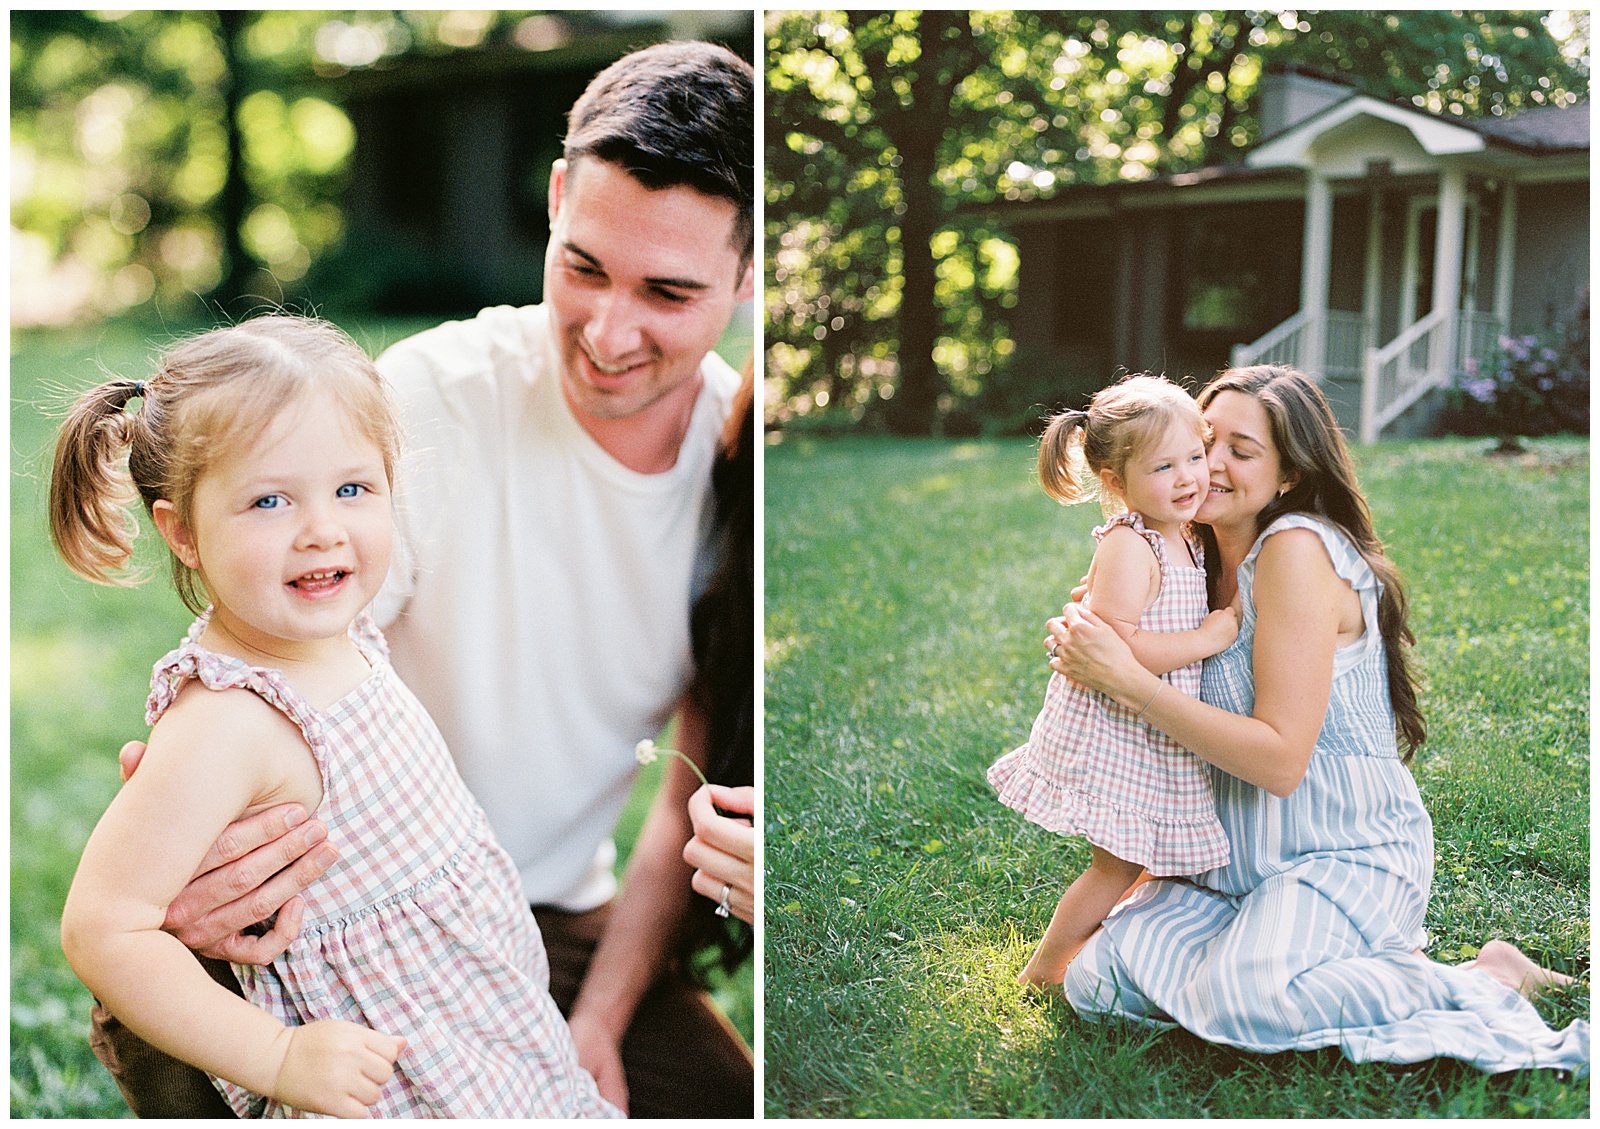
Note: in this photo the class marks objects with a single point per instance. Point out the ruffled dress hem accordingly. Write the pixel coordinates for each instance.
(1166, 847)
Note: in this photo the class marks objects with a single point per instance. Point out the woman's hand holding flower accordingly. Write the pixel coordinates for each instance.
(723, 850)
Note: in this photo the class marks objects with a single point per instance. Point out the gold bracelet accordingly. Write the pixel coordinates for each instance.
(1159, 687)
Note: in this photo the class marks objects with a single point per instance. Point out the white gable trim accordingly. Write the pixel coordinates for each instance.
(1294, 147)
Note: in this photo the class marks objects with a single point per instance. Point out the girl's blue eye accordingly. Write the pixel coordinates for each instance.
(349, 490)
(270, 502)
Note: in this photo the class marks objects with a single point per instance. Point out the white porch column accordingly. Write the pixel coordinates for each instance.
(1371, 316)
(1505, 255)
(1447, 252)
(1447, 256)
(1315, 264)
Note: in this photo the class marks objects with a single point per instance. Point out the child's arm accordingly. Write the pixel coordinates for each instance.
(1125, 579)
(143, 851)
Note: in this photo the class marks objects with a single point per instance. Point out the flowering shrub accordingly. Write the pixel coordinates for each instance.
(1538, 385)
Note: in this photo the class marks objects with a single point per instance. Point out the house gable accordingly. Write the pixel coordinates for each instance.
(1297, 146)
(1361, 142)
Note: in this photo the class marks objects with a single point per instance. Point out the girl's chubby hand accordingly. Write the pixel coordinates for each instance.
(336, 1068)
(1220, 628)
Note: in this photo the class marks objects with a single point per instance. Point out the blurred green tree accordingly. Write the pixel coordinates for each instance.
(143, 156)
(884, 295)
(184, 155)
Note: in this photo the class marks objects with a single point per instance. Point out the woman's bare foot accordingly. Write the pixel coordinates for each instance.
(1507, 964)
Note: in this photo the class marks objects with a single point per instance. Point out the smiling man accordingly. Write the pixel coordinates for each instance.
(552, 510)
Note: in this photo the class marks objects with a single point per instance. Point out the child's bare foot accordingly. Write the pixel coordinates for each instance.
(1507, 964)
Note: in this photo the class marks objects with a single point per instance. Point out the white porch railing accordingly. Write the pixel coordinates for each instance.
(1427, 354)
(1345, 342)
(1397, 375)
(1344, 337)
(1280, 345)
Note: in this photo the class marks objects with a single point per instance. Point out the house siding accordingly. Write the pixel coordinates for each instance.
(1552, 254)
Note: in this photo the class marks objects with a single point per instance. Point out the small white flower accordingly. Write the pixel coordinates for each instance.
(647, 752)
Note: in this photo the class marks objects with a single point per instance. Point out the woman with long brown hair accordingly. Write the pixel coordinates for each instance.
(1311, 935)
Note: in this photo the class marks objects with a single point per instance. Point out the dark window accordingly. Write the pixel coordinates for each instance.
(1235, 274)
(411, 158)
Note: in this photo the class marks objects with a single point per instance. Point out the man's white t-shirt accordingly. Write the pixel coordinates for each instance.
(538, 601)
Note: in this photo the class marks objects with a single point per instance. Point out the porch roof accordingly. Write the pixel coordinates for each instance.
(1198, 186)
(1537, 131)
(1544, 129)
(1275, 168)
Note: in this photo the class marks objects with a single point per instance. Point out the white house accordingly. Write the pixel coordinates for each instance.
(1375, 246)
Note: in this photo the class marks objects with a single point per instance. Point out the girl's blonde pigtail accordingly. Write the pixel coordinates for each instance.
(1061, 461)
(91, 493)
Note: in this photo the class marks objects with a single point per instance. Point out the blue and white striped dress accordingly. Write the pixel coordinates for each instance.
(1307, 937)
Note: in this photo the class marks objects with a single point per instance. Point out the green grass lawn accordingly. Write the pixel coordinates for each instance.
(907, 584)
(80, 671)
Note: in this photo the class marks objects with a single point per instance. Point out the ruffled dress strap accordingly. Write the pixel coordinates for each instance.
(1135, 522)
(1349, 565)
(223, 672)
(368, 638)
(1158, 544)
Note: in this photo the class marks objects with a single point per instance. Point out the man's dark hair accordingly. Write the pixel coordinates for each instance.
(675, 113)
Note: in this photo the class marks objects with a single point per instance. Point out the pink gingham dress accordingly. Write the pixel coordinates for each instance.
(1091, 769)
(420, 929)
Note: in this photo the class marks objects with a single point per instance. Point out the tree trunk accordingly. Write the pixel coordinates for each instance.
(916, 131)
(235, 199)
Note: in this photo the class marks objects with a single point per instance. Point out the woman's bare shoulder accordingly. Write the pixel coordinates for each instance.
(1296, 550)
(1296, 574)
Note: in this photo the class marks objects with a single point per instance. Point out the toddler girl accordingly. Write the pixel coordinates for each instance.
(1090, 767)
(264, 454)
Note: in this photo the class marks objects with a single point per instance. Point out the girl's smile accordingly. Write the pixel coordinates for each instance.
(292, 535)
(316, 585)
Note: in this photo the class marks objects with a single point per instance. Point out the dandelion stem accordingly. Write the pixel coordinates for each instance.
(647, 751)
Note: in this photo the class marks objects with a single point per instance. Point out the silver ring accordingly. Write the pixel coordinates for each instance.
(1053, 647)
(723, 910)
